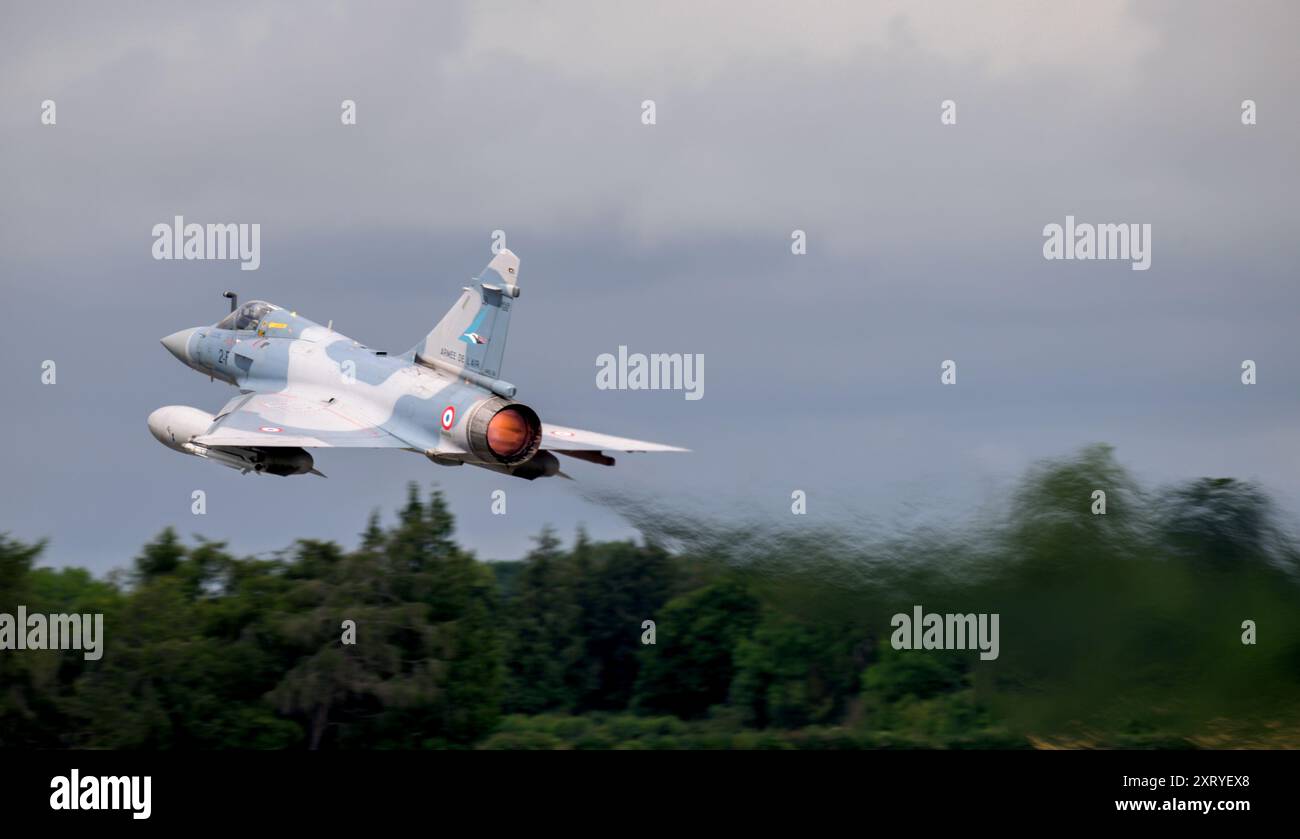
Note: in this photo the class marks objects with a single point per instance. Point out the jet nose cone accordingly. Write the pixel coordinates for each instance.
(178, 344)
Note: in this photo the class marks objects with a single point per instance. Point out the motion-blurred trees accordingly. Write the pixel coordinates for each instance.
(1222, 522)
(1121, 629)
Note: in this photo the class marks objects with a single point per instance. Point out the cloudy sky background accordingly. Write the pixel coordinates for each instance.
(821, 371)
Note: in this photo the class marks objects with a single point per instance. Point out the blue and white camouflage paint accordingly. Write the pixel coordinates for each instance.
(304, 386)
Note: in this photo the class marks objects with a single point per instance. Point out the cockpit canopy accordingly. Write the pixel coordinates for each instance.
(247, 316)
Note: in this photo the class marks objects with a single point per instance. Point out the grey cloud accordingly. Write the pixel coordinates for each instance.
(822, 370)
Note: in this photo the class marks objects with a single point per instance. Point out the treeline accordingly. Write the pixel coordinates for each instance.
(1117, 629)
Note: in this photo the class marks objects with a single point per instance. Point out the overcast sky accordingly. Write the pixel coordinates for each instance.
(822, 371)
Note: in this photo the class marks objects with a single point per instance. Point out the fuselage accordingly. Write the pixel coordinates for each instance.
(420, 404)
(304, 386)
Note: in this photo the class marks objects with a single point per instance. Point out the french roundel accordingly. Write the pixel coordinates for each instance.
(448, 417)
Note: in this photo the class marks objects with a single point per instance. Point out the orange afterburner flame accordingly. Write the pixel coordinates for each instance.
(508, 433)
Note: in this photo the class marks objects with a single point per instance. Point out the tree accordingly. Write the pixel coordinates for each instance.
(794, 671)
(1052, 526)
(628, 584)
(545, 642)
(690, 667)
(1222, 522)
(426, 668)
(160, 557)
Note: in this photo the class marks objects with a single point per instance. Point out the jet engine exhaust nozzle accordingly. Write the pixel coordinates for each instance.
(508, 433)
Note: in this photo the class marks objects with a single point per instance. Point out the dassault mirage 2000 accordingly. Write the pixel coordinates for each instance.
(303, 386)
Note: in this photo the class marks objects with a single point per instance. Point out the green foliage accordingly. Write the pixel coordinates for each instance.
(545, 642)
(208, 651)
(692, 669)
(426, 667)
(160, 557)
(620, 586)
(920, 674)
(599, 730)
(794, 672)
(1222, 523)
(1117, 630)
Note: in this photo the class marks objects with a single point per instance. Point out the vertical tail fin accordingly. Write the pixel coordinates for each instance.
(472, 335)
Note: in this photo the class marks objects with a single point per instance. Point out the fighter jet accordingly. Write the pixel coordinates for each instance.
(304, 386)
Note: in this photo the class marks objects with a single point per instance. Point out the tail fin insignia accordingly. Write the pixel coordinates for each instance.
(472, 335)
